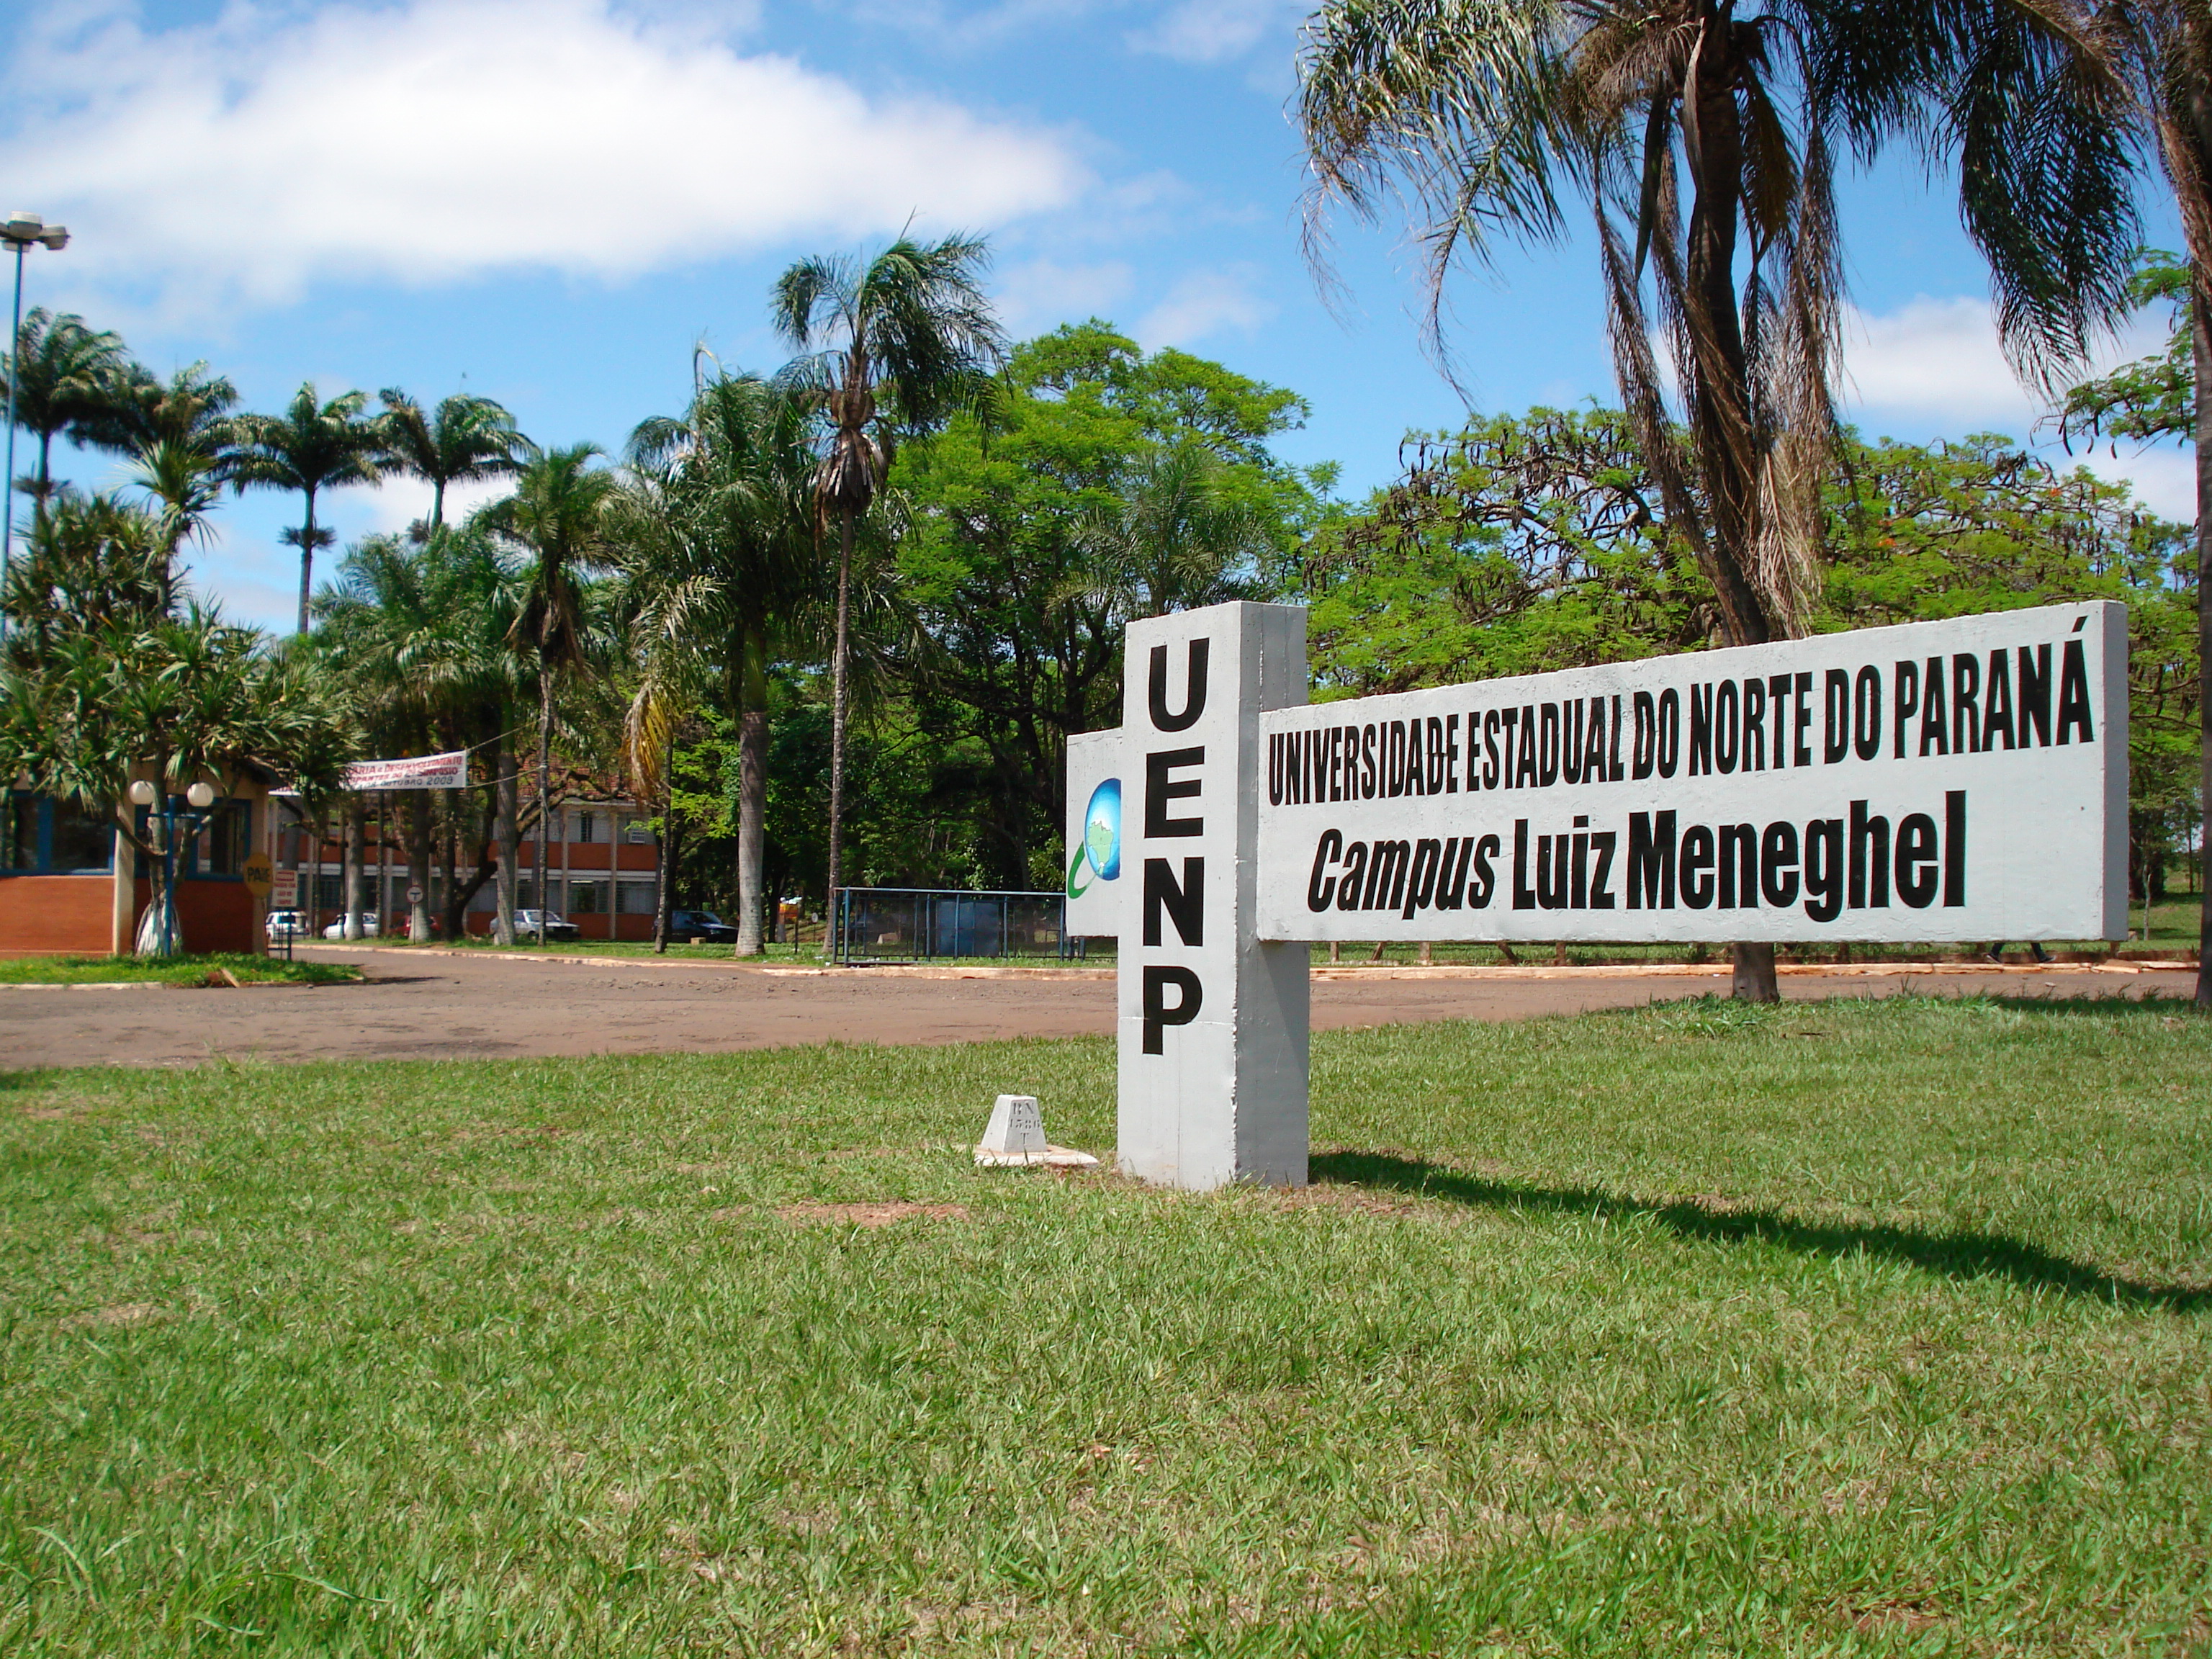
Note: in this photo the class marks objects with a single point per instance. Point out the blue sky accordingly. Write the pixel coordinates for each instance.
(549, 202)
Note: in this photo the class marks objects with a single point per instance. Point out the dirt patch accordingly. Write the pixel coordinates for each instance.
(124, 1313)
(870, 1215)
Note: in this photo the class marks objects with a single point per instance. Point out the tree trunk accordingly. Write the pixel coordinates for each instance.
(349, 868)
(753, 798)
(2200, 328)
(506, 829)
(1720, 401)
(544, 790)
(306, 559)
(664, 902)
(449, 900)
(837, 733)
(418, 865)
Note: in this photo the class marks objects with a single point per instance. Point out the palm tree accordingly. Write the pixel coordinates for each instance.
(1483, 116)
(715, 533)
(895, 345)
(312, 447)
(468, 438)
(60, 368)
(559, 513)
(182, 482)
(134, 410)
(2165, 48)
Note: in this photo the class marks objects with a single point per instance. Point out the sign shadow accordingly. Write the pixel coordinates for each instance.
(1951, 1256)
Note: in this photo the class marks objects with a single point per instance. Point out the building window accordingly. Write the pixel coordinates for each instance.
(41, 836)
(18, 834)
(633, 898)
(638, 832)
(227, 839)
(587, 827)
(587, 898)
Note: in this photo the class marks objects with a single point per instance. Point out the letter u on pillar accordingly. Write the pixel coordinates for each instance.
(1212, 1020)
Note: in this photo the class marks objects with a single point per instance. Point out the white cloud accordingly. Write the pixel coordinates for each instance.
(1933, 367)
(1044, 293)
(1936, 363)
(1214, 31)
(1202, 303)
(247, 157)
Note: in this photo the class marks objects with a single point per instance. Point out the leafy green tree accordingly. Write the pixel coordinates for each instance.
(60, 368)
(464, 440)
(1521, 544)
(897, 345)
(1703, 134)
(1029, 531)
(2154, 399)
(313, 446)
(715, 540)
(103, 683)
(559, 517)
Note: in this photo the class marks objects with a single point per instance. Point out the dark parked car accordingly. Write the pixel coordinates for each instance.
(686, 924)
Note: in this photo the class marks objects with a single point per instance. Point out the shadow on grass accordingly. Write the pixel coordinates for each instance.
(1954, 1255)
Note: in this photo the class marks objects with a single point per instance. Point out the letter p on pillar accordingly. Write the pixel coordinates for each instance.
(1211, 1035)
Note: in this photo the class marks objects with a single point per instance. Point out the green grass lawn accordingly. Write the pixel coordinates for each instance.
(1879, 1327)
(171, 970)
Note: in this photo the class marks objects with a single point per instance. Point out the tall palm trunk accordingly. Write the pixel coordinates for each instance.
(544, 789)
(2200, 313)
(837, 729)
(1720, 410)
(666, 866)
(306, 559)
(350, 866)
(752, 792)
(418, 865)
(508, 821)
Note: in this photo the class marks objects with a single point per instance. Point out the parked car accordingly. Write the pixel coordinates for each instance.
(286, 924)
(336, 929)
(692, 925)
(525, 925)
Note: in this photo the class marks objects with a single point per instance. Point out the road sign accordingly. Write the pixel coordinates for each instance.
(284, 891)
(1957, 779)
(413, 896)
(259, 875)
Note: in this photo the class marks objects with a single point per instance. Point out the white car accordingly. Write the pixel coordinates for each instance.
(286, 924)
(556, 926)
(336, 929)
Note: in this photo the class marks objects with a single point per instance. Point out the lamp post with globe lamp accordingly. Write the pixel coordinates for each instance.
(163, 817)
(19, 231)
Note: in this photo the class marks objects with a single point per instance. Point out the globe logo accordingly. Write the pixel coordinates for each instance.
(1101, 839)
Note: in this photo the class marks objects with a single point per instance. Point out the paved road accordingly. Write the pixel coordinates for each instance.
(438, 1007)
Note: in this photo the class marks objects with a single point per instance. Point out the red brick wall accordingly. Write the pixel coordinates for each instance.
(56, 915)
(213, 915)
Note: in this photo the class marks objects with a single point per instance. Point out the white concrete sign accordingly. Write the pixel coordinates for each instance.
(1212, 1020)
(1094, 834)
(1958, 780)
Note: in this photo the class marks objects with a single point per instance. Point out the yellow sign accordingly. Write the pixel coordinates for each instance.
(259, 874)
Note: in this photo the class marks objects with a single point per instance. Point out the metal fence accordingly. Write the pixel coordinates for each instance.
(916, 924)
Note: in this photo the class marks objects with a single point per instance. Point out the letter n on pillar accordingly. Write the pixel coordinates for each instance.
(1212, 1021)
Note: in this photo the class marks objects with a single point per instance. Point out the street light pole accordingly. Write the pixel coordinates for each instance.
(19, 230)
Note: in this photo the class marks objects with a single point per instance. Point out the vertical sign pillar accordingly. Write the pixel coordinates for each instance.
(1212, 1023)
